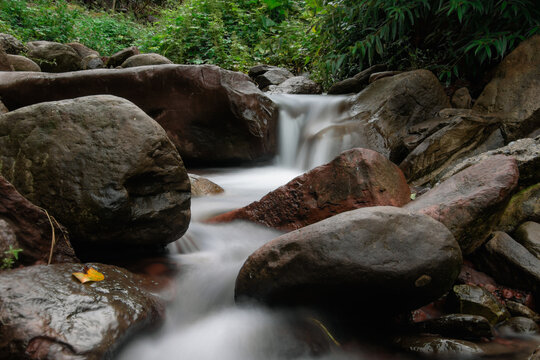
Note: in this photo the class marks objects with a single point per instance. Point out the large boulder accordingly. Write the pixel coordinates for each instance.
(4, 61)
(119, 57)
(383, 112)
(356, 178)
(523, 206)
(27, 227)
(211, 115)
(145, 59)
(54, 57)
(514, 90)
(82, 50)
(273, 76)
(102, 167)
(469, 202)
(47, 314)
(510, 263)
(12, 45)
(297, 85)
(525, 151)
(463, 135)
(22, 63)
(355, 263)
(357, 83)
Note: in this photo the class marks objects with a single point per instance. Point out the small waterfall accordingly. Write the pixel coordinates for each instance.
(307, 129)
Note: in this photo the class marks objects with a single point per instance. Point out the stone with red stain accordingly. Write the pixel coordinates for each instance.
(357, 178)
(25, 226)
(468, 203)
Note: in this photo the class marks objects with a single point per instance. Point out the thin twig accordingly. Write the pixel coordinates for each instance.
(53, 239)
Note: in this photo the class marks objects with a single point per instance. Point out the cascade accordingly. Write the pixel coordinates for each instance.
(307, 129)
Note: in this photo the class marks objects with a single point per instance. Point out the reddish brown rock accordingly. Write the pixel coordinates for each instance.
(25, 226)
(357, 178)
(468, 203)
(211, 115)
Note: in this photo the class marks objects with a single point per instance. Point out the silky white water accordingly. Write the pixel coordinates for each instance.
(203, 322)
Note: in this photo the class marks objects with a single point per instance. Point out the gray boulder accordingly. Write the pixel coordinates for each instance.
(528, 235)
(145, 59)
(274, 76)
(46, 314)
(102, 167)
(357, 83)
(21, 63)
(92, 62)
(119, 57)
(385, 252)
(54, 57)
(12, 45)
(296, 85)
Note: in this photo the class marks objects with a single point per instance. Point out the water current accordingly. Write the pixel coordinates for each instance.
(203, 322)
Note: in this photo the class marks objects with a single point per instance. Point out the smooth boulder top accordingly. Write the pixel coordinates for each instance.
(102, 167)
(212, 115)
(354, 263)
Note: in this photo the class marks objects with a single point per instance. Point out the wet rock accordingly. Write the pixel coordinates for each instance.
(357, 83)
(523, 206)
(458, 326)
(464, 133)
(21, 63)
(297, 85)
(274, 76)
(383, 112)
(119, 57)
(356, 178)
(438, 346)
(82, 50)
(514, 89)
(518, 326)
(54, 57)
(510, 263)
(145, 59)
(260, 69)
(528, 235)
(92, 62)
(4, 61)
(462, 99)
(212, 115)
(47, 314)
(381, 75)
(201, 186)
(386, 252)
(475, 300)
(525, 151)
(469, 202)
(101, 166)
(27, 227)
(518, 309)
(12, 45)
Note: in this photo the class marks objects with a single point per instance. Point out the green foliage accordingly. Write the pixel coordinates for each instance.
(454, 38)
(10, 257)
(63, 22)
(232, 34)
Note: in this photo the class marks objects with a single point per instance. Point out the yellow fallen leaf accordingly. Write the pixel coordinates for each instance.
(89, 274)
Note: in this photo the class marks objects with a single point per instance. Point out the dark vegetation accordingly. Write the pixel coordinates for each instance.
(456, 39)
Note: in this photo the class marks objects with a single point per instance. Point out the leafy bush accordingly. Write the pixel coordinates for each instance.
(233, 34)
(63, 22)
(454, 38)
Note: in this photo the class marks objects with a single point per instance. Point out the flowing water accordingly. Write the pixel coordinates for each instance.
(203, 322)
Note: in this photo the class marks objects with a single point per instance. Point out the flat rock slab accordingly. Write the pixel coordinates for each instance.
(48, 314)
(102, 167)
(355, 263)
(468, 202)
(25, 226)
(211, 115)
(356, 178)
(510, 263)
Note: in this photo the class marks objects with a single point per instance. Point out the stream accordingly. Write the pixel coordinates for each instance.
(203, 322)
